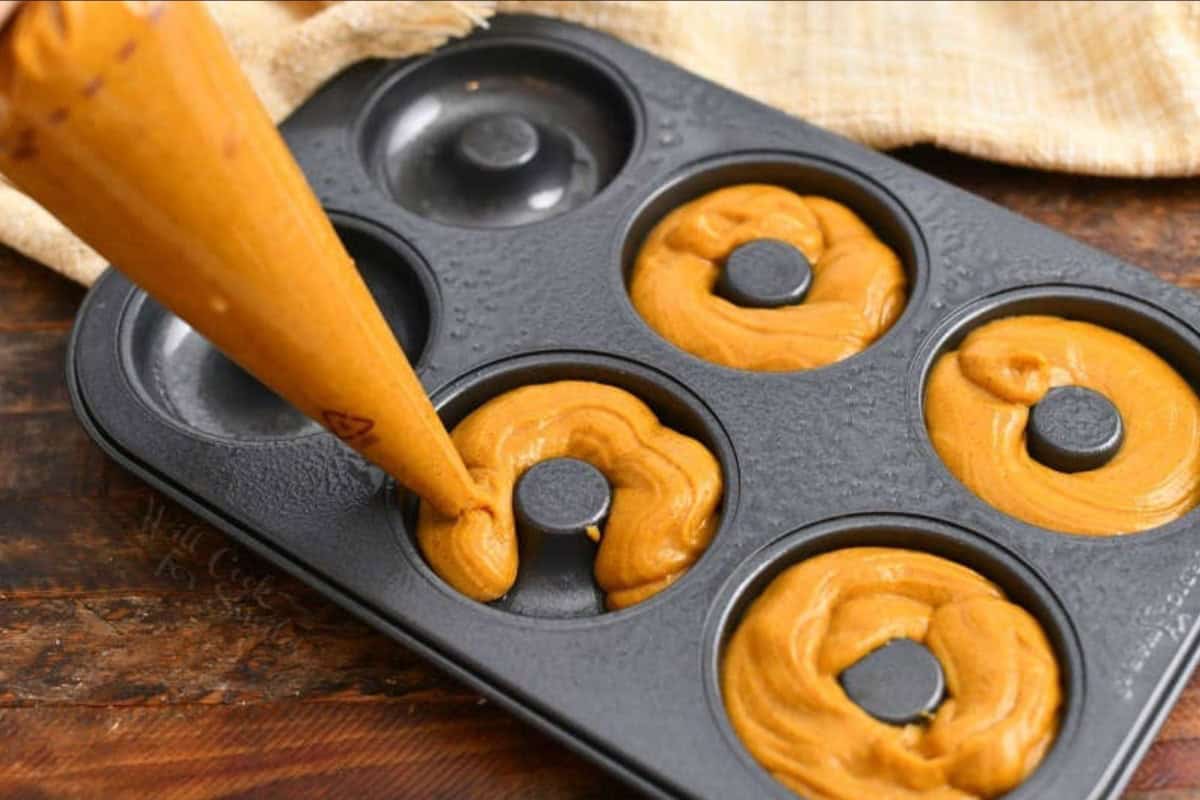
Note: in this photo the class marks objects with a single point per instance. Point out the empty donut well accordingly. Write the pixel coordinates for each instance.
(497, 133)
(182, 377)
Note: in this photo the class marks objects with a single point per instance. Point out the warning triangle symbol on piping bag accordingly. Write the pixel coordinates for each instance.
(347, 427)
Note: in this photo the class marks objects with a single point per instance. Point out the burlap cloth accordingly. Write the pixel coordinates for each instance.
(1101, 88)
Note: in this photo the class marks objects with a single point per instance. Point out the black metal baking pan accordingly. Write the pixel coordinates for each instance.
(492, 280)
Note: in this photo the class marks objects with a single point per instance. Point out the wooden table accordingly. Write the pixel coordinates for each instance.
(142, 654)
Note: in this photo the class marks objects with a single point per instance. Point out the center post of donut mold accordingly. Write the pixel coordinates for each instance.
(900, 683)
(561, 504)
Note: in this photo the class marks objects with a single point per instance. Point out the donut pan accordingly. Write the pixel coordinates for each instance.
(494, 194)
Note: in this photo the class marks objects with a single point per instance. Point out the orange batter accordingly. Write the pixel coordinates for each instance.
(133, 125)
(977, 403)
(666, 489)
(858, 288)
(779, 680)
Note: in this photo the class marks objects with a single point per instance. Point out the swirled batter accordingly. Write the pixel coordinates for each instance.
(780, 679)
(858, 290)
(666, 489)
(977, 403)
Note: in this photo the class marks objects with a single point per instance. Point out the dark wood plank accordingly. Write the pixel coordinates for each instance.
(143, 654)
(47, 453)
(1171, 765)
(32, 296)
(226, 646)
(1184, 722)
(455, 748)
(133, 543)
(34, 362)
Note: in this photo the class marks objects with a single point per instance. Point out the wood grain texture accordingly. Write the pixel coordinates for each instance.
(143, 654)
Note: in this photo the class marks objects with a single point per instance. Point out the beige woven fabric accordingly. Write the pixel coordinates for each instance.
(1102, 88)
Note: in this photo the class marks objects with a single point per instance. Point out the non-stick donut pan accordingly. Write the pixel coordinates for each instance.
(494, 194)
